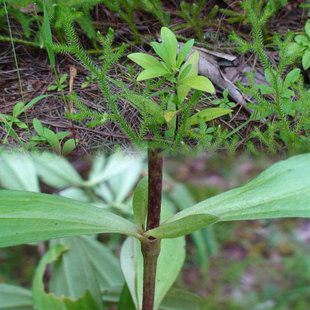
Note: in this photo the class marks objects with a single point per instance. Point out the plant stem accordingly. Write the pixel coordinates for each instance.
(150, 250)
(151, 247)
(155, 166)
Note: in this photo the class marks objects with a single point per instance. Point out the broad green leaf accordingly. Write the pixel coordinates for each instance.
(171, 44)
(185, 49)
(123, 184)
(49, 301)
(125, 300)
(172, 254)
(282, 190)
(140, 202)
(182, 198)
(306, 59)
(105, 263)
(104, 169)
(184, 73)
(62, 134)
(69, 146)
(307, 28)
(132, 264)
(182, 89)
(18, 109)
(17, 171)
(161, 51)
(177, 299)
(291, 77)
(192, 60)
(15, 298)
(52, 139)
(29, 217)
(293, 48)
(302, 40)
(73, 273)
(199, 82)
(144, 60)
(182, 226)
(38, 127)
(56, 171)
(152, 72)
(207, 115)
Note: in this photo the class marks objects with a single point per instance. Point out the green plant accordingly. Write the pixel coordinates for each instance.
(237, 16)
(192, 14)
(126, 8)
(59, 84)
(55, 140)
(13, 120)
(280, 191)
(302, 46)
(283, 96)
(27, 13)
(169, 121)
(184, 77)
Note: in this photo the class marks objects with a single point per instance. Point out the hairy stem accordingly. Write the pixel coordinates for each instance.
(151, 247)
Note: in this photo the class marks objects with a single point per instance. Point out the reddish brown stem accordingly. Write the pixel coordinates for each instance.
(151, 247)
(155, 166)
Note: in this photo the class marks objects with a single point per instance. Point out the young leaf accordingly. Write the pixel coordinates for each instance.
(18, 108)
(307, 28)
(182, 226)
(69, 146)
(125, 300)
(38, 127)
(185, 49)
(45, 301)
(171, 44)
(291, 77)
(152, 72)
(306, 59)
(161, 51)
(15, 298)
(29, 217)
(140, 201)
(184, 72)
(144, 60)
(182, 89)
(282, 190)
(199, 82)
(207, 115)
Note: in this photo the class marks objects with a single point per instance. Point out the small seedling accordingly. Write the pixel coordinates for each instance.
(55, 140)
(13, 120)
(59, 84)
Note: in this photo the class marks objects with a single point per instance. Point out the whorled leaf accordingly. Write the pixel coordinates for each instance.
(282, 190)
(29, 217)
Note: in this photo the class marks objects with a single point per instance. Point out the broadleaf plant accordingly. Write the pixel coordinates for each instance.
(282, 190)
